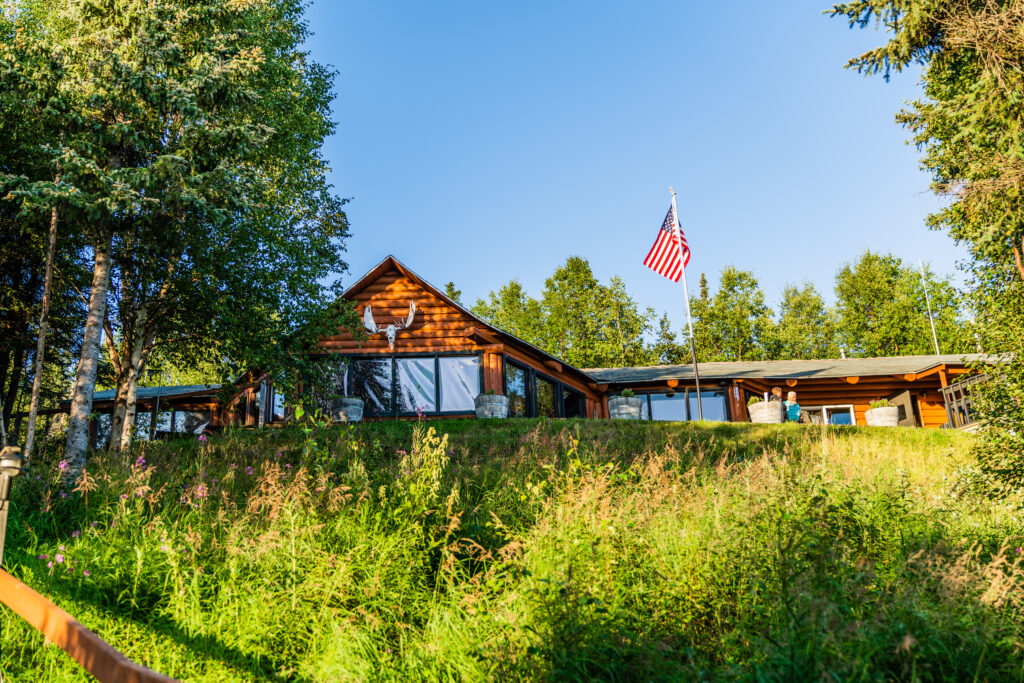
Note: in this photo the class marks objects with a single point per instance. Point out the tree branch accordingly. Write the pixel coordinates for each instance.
(1017, 258)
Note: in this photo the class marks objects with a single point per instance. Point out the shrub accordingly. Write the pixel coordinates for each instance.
(880, 403)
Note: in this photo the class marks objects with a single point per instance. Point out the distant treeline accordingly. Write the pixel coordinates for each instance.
(880, 310)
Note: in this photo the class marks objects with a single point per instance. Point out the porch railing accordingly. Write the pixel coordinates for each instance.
(959, 407)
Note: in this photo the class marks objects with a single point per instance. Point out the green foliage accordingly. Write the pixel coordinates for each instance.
(577, 319)
(754, 400)
(880, 403)
(667, 349)
(627, 393)
(735, 324)
(527, 550)
(513, 310)
(806, 327)
(881, 309)
(969, 129)
(452, 293)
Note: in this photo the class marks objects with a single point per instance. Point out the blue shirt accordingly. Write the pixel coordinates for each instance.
(792, 411)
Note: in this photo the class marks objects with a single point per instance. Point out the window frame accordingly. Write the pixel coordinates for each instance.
(436, 356)
(685, 391)
(531, 389)
(826, 417)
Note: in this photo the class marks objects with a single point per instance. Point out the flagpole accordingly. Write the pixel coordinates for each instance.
(928, 303)
(686, 296)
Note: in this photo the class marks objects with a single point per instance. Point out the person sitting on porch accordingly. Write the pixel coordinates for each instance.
(776, 394)
(792, 407)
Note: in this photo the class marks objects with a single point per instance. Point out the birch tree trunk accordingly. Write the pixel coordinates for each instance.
(133, 364)
(85, 378)
(44, 322)
(117, 416)
(135, 370)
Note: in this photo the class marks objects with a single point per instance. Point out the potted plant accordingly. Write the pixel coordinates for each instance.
(625, 406)
(882, 413)
(490, 404)
(765, 412)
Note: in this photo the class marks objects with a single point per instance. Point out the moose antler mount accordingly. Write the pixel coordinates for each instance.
(391, 329)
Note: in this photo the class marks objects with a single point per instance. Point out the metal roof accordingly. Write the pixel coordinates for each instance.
(783, 369)
(145, 393)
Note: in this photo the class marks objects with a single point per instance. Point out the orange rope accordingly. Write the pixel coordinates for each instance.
(85, 647)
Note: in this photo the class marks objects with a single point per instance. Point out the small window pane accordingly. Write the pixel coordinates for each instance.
(416, 385)
(515, 389)
(370, 380)
(645, 411)
(573, 403)
(668, 407)
(546, 403)
(460, 383)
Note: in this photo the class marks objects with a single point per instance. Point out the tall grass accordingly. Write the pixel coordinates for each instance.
(570, 550)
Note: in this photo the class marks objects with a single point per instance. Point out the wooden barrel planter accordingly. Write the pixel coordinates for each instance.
(767, 412)
(347, 410)
(887, 416)
(624, 407)
(491, 405)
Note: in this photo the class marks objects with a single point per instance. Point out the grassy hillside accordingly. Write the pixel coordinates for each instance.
(529, 550)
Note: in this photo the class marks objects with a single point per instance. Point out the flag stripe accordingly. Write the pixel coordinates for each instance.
(664, 257)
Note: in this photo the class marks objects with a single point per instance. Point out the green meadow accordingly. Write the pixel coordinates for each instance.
(525, 549)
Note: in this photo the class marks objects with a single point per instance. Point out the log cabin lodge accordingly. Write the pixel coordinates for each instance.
(446, 356)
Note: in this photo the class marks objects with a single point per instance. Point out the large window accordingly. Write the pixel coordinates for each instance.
(370, 380)
(547, 397)
(516, 379)
(532, 394)
(681, 406)
(460, 383)
(573, 403)
(416, 384)
(409, 385)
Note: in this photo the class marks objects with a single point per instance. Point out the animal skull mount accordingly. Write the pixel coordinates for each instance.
(390, 330)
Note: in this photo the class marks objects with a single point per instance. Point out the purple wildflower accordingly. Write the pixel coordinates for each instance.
(58, 558)
(85, 572)
(49, 565)
(202, 438)
(76, 534)
(249, 471)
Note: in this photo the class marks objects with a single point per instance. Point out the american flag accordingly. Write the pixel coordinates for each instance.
(664, 255)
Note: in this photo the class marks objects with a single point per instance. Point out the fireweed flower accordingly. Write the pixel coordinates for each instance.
(85, 572)
(249, 471)
(202, 438)
(58, 558)
(62, 466)
(76, 534)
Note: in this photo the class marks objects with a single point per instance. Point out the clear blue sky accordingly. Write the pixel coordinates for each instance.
(481, 141)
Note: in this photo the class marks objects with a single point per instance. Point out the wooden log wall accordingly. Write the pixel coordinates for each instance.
(855, 391)
(439, 327)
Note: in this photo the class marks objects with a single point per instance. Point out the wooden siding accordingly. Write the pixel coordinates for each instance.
(441, 327)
